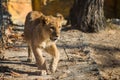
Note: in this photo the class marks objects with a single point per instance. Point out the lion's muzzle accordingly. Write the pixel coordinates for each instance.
(54, 38)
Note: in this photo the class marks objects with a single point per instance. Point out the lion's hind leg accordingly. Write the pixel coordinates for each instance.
(29, 54)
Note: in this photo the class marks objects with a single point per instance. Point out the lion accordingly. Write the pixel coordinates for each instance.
(41, 33)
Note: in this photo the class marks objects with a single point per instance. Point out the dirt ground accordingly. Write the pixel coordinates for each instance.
(84, 56)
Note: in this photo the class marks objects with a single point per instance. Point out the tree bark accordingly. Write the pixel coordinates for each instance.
(88, 15)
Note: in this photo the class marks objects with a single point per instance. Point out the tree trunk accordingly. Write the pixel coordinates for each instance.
(88, 15)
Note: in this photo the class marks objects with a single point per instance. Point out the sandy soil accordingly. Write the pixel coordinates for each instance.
(92, 56)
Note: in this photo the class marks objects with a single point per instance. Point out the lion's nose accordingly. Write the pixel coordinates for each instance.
(56, 36)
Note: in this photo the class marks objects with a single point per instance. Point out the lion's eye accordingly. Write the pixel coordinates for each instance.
(52, 28)
(60, 27)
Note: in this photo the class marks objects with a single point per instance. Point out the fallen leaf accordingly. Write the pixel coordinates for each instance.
(62, 76)
(15, 74)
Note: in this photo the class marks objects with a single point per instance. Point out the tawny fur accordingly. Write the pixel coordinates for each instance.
(41, 33)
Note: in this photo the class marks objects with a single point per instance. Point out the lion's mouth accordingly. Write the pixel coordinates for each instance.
(53, 38)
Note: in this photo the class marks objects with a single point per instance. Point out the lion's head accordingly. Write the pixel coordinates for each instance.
(52, 26)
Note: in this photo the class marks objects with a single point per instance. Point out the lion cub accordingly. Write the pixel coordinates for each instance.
(41, 33)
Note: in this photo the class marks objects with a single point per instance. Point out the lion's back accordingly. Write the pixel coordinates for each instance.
(30, 24)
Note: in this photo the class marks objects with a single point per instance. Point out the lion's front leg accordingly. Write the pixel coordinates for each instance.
(52, 50)
(40, 61)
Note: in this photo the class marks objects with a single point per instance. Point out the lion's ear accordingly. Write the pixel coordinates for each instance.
(44, 20)
(60, 17)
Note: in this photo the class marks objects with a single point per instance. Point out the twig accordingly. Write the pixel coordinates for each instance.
(65, 50)
(66, 53)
